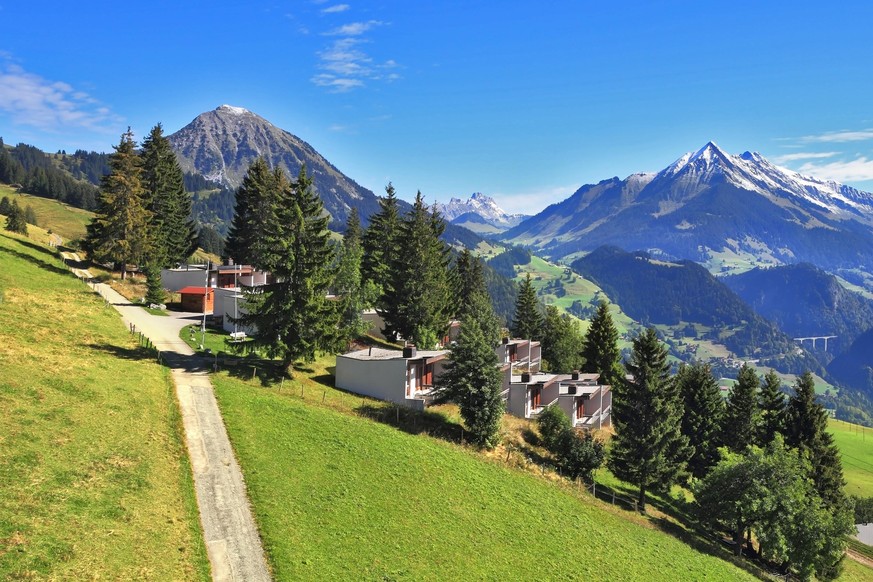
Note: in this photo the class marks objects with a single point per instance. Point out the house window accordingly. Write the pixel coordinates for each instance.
(513, 354)
(580, 408)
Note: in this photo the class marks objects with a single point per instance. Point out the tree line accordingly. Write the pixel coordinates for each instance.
(17, 218)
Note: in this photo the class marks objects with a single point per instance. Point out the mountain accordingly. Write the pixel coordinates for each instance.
(480, 214)
(805, 301)
(854, 367)
(710, 202)
(220, 145)
(653, 291)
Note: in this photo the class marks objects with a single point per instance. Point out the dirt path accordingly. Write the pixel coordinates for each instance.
(859, 558)
(232, 540)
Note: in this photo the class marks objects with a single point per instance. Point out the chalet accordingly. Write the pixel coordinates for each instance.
(522, 355)
(404, 377)
(198, 299)
(587, 403)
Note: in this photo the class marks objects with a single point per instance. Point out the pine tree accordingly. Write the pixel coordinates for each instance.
(30, 215)
(771, 403)
(416, 302)
(380, 241)
(701, 422)
(15, 221)
(648, 449)
(471, 294)
(473, 381)
(119, 231)
(600, 348)
(353, 294)
(528, 320)
(5, 206)
(257, 201)
(562, 342)
(806, 430)
(293, 318)
(173, 231)
(741, 417)
(154, 288)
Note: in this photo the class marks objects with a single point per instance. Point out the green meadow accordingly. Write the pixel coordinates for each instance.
(342, 497)
(94, 477)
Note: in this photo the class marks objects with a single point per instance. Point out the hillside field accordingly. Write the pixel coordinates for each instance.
(94, 476)
(64, 220)
(337, 496)
(857, 455)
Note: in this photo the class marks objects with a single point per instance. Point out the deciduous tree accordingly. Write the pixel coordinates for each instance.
(562, 342)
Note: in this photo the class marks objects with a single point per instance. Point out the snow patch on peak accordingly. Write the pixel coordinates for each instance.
(233, 110)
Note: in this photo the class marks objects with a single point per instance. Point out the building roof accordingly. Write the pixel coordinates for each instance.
(384, 354)
(238, 269)
(192, 290)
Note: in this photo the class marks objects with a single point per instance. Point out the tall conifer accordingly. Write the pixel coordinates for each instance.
(173, 231)
(292, 317)
(741, 418)
(771, 403)
(380, 241)
(119, 231)
(701, 422)
(257, 201)
(528, 320)
(353, 294)
(600, 348)
(648, 449)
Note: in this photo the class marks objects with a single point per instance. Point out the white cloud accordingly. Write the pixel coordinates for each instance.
(856, 170)
(533, 202)
(335, 9)
(839, 136)
(32, 100)
(354, 28)
(784, 159)
(345, 66)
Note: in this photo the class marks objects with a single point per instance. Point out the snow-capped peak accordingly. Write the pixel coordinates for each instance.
(232, 110)
(482, 205)
(751, 171)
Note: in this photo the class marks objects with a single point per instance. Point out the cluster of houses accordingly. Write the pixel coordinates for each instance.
(405, 377)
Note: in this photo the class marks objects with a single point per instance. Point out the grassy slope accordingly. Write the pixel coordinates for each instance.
(857, 456)
(341, 497)
(94, 481)
(62, 219)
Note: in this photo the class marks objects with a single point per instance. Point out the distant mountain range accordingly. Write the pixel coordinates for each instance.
(220, 145)
(710, 202)
(480, 214)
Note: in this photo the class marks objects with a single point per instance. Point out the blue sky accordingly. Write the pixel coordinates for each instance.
(524, 101)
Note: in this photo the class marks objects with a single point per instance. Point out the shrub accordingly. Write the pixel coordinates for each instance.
(552, 422)
(579, 454)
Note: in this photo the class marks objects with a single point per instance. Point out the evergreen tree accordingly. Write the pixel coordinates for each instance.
(154, 288)
(416, 302)
(528, 320)
(5, 206)
(119, 231)
(381, 241)
(173, 231)
(741, 418)
(257, 202)
(353, 294)
(30, 215)
(15, 221)
(806, 430)
(648, 449)
(771, 403)
(473, 301)
(701, 422)
(473, 381)
(600, 348)
(562, 342)
(293, 318)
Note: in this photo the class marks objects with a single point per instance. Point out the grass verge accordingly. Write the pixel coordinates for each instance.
(93, 475)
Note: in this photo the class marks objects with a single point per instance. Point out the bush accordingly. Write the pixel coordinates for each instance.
(579, 454)
(552, 422)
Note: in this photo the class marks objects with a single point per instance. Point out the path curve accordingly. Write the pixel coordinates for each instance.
(232, 540)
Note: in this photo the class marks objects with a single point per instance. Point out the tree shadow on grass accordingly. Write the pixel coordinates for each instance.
(267, 372)
(413, 421)
(37, 261)
(137, 353)
(33, 245)
(172, 360)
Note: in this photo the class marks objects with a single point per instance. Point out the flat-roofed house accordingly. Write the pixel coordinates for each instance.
(587, 403)
(523, 355)
(404, 377)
